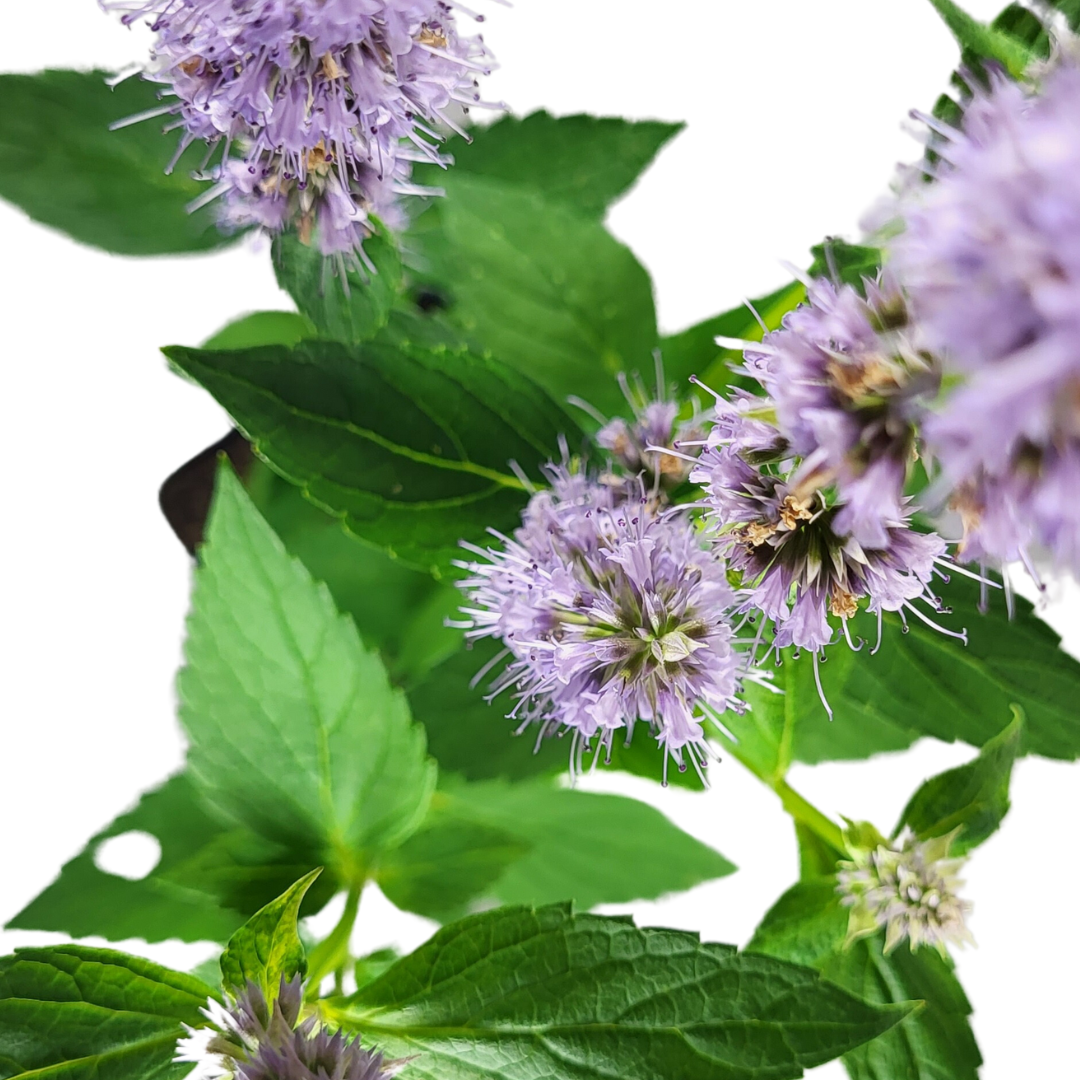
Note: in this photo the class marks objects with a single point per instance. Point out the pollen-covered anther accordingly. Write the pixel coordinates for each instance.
(793, 510)
(843, 604)
(434, 36)
(866, 376)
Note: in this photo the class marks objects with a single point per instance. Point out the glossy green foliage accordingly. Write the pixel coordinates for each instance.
(410, 446)
(587, 161)
(808, 925)
(61, 164)
(75, 1013)
(267, 948)
(973, 798)
(569, 845)
(450, 862)
(295, 729)
(186, 896)
(921, 683)
(519, 993)
(541, 285)
(349, 308)
(262, 328)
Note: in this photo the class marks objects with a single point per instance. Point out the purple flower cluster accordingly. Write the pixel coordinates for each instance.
(327, 101)
(990, 260)
(251, 1040)
(610, 614)
(800, 568)
(849, 386)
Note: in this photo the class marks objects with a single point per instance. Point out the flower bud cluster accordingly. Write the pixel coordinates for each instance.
(909, 888)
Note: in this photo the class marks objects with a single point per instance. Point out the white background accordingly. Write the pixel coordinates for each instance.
(795, 113)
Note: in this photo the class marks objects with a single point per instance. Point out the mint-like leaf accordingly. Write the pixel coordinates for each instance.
(75, 1013)
(262, 328)
(295, 730)
(588, 161)
(545, 288)
(267, 948)
(809, 925)
(410, 446)
(61, 164)
(451, 860)
(520, 993)
(974, 796)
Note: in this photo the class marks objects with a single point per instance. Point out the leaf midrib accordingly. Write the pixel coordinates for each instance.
(507, 480)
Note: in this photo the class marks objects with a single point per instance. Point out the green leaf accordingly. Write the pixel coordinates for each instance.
(588, 161)
(385, 598)
(694, 351)
(471, 737)
(353, 309)
(449, 861)
(210, 877)
(267, 948)
(934, 685)
(519, 993)
(935, 1043)
(920, 683)
(262, 328)
(295, 730)
(809, 925)
(85, 900)
(789, 723)
(848, 263)
(542, 286)
(986, 42)
(61, 164)
(409, 446)
(592, 849)
(80, 1013)
(975, 796)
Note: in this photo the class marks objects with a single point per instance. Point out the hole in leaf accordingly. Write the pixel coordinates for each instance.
(130, 855)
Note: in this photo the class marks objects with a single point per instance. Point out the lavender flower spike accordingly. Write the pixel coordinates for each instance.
(610, 614)
(247, 1039)
(327, 101)
(990, 258)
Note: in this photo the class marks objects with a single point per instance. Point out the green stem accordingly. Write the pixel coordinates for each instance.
(332, 953)
(802, 811)
(806, 814)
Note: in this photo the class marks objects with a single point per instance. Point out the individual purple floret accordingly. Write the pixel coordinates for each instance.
(610, 614)
(799, 569)
(990, 258)
(326, 103)
(848, 387)
(641, 447)
(249, 1040)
